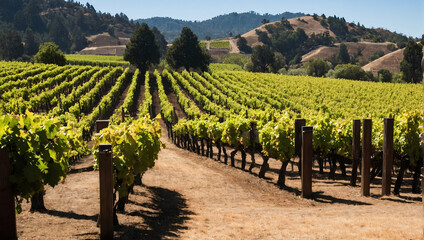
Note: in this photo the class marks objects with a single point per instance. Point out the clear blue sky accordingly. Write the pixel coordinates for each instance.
(402, 16)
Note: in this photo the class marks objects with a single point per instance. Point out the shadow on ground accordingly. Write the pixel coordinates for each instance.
(164, 216)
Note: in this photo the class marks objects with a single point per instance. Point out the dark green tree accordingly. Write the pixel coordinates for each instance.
(50, 53)
(279, 62)
(31, 43)
(79, 41)
(317, 67)
(265, 21)
(160, 41)
(30, 17)
(262, 59)
(410, 66)
(8, 9)
(343, 55)
(242, 44)
(186, 52)
(350, 71)
(142, 50)
(59, 34)
(385, 75)
(11, 46)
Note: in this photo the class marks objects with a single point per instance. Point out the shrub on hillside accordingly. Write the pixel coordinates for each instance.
(349, 71)
(49, 53)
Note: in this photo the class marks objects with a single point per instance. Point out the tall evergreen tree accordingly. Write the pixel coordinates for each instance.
(142, 50)
(31, 43)
(343, 55)
(59, 34)
(186, 52)
(410, 66)
(263, 59)
(160, 41)
(11, 46)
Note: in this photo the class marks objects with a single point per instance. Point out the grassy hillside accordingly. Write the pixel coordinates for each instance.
(64, 22)
(315, 36)
(217, 27)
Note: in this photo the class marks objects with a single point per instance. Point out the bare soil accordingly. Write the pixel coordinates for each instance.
(389, 61)
(367, 49)
(307, 23)
(187, 196)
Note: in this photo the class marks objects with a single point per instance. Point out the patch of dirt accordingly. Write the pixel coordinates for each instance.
(101, 40)
(390, 62)
(307, 23)
(218, 53)
(105, 50)
(366, 50)
(233, 46)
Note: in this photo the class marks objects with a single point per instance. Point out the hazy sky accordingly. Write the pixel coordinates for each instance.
(402, 16)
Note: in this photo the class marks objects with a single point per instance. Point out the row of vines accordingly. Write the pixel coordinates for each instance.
(222, 107)
(48, 117)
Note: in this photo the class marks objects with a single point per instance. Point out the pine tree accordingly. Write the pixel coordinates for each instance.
(186, 52)
(142, 50)
(343, 56)
(410, 66)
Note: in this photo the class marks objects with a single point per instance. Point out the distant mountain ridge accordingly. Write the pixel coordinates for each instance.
(218, 27)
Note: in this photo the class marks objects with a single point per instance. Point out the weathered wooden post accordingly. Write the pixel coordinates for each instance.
(100, 124)
(356, 145)
(307, 155)
(106, 191)
(422, 145)
(7, 200)
(298, 124)
(387, 156)
(123, 115)
(253, 130)
(366, 156)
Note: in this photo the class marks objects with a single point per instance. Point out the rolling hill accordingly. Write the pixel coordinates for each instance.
(363, 44)
(218, 27)
(390, 62)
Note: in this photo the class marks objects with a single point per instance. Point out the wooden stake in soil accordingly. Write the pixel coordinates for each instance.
(366, 156)
(122, 115)
(298, 124)
(307, 154)
(387, 156)
(7, 201)
(253, 130)
(106, 191)
(356, 146)
(100, 124)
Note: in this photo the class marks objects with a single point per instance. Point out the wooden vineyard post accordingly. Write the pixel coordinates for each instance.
(422, 145)
(298, 124)
(387, 156)
(356, 145)
(306, 160)
(106, 191)
(123, 115)
(100, 124)
(366, 156)
(253, 130)
(7, 200)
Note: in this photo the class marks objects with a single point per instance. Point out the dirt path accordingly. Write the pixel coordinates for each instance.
(233, 46)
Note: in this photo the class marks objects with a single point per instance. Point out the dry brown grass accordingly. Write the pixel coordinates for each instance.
(390, 62)
(367, 49)
(311, 26)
